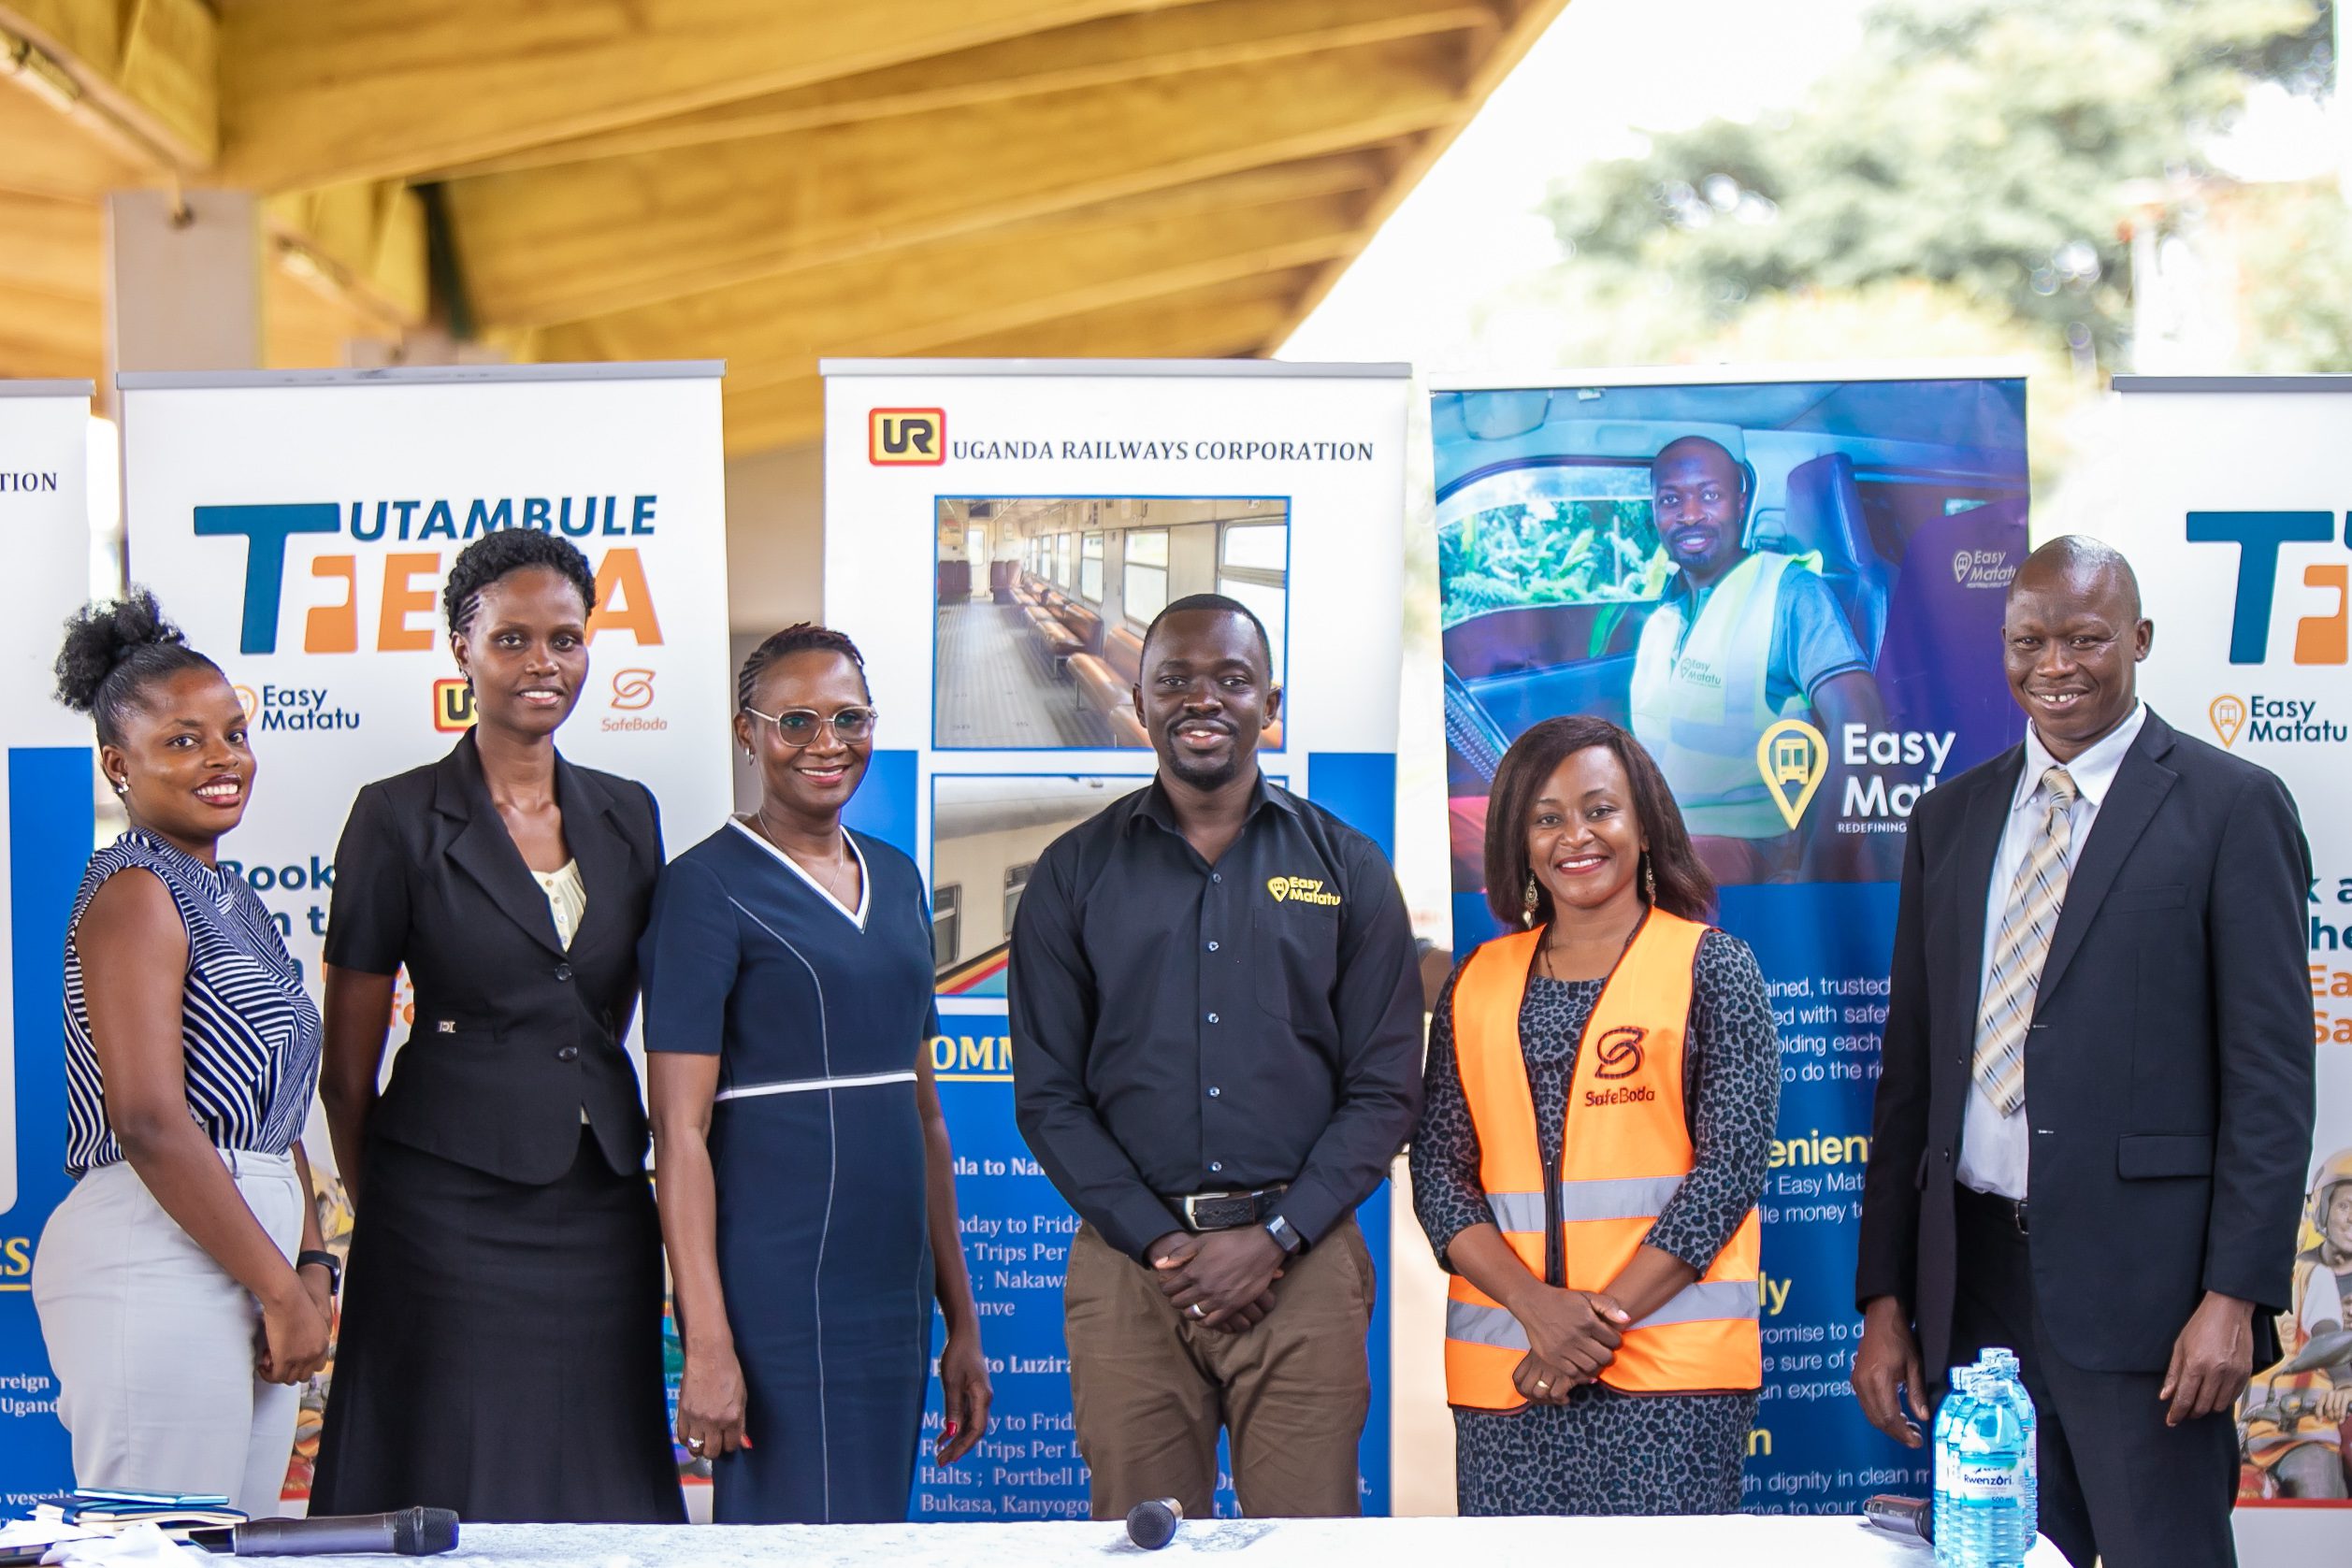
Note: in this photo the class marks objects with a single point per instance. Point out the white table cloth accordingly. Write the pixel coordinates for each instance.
(1736, 1540)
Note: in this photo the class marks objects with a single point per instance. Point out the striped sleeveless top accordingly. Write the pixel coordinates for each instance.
(250, 1033)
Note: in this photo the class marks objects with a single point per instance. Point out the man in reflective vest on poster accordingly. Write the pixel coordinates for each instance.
(1742, 639)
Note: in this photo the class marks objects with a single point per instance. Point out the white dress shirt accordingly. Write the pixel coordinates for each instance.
(1993, 1147)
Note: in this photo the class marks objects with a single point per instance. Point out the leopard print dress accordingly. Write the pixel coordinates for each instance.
(1607, 1452)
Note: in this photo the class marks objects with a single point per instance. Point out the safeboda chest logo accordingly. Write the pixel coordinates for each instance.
(1793, 758)
(1301, 890)
(902, 437)
(384, 599)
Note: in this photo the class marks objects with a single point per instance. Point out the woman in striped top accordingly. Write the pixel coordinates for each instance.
(180, 1286)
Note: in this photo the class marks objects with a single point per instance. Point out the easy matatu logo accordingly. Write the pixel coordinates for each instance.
(1794, 758)
(2272, 721)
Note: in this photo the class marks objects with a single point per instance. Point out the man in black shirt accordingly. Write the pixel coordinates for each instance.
(1217, 1020)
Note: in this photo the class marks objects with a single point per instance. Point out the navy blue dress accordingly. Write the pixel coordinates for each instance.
(816, 1013)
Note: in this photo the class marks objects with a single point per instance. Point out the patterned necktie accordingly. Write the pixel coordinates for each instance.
(2025, 929)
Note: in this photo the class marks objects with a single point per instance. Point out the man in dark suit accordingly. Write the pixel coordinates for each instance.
(2096, 1095)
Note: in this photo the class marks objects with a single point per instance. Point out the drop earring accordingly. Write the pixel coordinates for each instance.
(1527, 902)
(120, 787)
(1649, 879)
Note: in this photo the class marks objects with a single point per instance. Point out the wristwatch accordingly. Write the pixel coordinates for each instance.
(1290, 1241)
(325, 1260)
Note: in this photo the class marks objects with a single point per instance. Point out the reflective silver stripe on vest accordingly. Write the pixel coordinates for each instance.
(1516, 1211)
(808, 1086)
(1618, 1198)
(1705, 1301)
(1484, 1325)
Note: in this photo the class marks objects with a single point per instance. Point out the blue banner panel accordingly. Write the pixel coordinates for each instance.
(50, 831)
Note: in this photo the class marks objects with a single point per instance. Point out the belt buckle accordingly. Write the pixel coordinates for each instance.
(1219, 1211)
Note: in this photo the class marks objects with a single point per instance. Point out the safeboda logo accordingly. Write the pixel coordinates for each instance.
(402, 587)
(2319, 639)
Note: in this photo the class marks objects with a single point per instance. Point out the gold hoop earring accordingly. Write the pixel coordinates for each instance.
(1648, 878)
(1527, 902)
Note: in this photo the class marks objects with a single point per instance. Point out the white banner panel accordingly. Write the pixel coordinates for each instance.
(997, 534)
(299, 527)
(2235, 518)
(45, 803)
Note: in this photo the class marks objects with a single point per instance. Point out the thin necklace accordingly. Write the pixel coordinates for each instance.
(841, 851)
(1551, 970)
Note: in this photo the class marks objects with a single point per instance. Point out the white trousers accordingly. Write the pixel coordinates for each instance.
(154, 1344)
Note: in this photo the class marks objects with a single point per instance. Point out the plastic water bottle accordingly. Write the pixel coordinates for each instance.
(1958, 1399)
(2004, 1363)
(1990, 1448)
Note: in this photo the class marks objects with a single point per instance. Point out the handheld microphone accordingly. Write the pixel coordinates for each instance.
(1903, 1516)
(1152, 1525)
(409, 1532)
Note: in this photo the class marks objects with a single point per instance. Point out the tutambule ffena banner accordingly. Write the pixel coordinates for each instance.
(1790, 589)
(998, 535)
(2234, 514)
(299, 527)
(44, 797)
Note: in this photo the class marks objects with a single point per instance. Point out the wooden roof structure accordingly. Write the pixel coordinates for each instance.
(758, 180)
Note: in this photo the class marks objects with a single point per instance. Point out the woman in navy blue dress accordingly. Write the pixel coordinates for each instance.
(807, 1193)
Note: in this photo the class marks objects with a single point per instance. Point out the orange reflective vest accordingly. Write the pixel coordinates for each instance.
(1627, 1147)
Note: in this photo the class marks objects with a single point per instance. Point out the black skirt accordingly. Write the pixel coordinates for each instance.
(500, 1348)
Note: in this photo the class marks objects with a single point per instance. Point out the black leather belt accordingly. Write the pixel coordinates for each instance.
(2013, 1210)
(1225, 1211)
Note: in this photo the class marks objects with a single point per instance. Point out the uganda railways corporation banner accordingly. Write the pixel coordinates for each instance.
(299, 528)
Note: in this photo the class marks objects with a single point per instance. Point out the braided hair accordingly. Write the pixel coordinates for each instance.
(113, 651)
(807, 636)
(500, 555)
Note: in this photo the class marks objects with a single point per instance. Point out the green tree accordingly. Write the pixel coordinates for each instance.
(1979, 146)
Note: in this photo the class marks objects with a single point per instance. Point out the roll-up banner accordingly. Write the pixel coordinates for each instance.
(299, 527)
(45, 796)
(1789, 586)
(2235, 517)
(998, 535)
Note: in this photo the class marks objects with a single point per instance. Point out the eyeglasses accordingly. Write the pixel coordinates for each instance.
(800, 726)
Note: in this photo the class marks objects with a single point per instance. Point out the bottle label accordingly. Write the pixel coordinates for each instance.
(1986, 1483)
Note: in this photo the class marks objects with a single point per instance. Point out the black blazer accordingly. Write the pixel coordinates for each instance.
(513, 1035)
(2169, 1068)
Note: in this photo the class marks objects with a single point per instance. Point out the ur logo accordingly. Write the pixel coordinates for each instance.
(2228, 717)
(1792, 757)
(1617, 1053)
(906, 436)
(453, 706)
(632, 690)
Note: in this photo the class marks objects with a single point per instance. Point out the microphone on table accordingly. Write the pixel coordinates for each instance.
(409, 1532)
(1152, 1525)
(1903, 1516)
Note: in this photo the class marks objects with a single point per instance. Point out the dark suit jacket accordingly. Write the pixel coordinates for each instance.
(2169, 1070)
(513, 1035)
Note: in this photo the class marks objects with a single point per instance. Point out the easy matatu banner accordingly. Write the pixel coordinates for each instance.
(998, 535)
(2236, 520)
(1853, 535)
(298, 528)
(44, 797)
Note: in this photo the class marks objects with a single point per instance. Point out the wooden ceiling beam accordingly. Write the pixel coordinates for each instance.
(1118, 253)
(553, 245)
(317, 92)
(141, 80)
(48, 154)
(364, 242)
(1495, 57)
(1213, 322)
(1124, 49)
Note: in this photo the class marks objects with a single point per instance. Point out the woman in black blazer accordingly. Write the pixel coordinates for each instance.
(500, 1350)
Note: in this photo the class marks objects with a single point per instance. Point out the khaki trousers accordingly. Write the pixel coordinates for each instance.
(1150, 1387)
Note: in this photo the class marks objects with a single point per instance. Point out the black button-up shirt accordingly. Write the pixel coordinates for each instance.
(1182, 1027)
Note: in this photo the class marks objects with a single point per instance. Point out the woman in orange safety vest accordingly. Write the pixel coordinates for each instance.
(1601, 1086)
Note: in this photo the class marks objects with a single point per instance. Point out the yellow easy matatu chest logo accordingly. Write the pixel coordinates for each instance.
(1300, 890)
